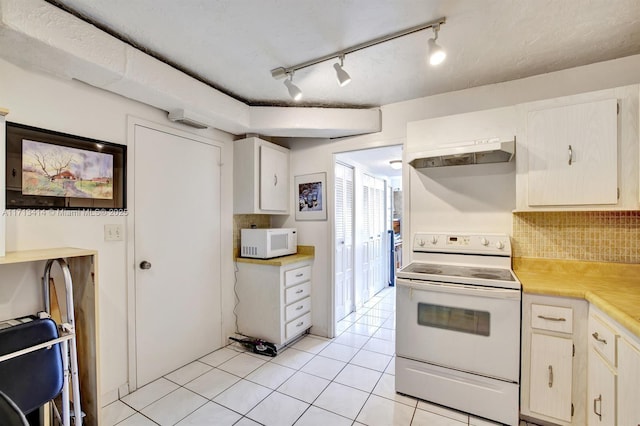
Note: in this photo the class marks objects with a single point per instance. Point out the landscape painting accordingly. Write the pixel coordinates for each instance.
(60, 171)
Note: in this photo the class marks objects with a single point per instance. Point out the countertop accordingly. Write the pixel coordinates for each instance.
(613, 287)
(304, 253)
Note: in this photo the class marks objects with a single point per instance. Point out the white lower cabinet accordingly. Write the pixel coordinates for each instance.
(628, 383)
(601, 391)
(554, 359)
(274, 302)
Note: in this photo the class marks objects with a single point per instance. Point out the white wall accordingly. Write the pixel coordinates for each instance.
(73, 107)
(311, 156)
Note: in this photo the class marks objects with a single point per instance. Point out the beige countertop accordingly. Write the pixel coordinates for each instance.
(304, 253)
(613, 287)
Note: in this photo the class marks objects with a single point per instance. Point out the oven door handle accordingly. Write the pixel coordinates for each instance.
(467, 290)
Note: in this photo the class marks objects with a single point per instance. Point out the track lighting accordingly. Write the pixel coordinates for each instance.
(436, 56)
(436, 52)
(343, 77)
(294, 91)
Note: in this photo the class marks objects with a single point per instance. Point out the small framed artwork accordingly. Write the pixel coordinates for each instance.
(311, 191)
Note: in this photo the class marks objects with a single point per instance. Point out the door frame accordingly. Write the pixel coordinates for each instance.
(132, 122)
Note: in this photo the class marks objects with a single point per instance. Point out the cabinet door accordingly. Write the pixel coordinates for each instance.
(551, 375)
(628, 380)
(601, 403)
(274, 179)
(573, 154)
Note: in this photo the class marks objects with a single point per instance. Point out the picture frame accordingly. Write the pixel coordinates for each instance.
(311, 196)
(51, 170)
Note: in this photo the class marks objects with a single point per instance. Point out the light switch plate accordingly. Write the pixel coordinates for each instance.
(113, 233)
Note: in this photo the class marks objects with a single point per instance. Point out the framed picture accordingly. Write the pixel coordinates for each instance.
(51, 170)
(311, 192)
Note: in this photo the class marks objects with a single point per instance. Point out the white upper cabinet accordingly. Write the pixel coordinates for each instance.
(579, 152)
(261, 177)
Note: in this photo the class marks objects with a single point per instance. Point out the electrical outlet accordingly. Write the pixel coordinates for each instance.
(113, 233)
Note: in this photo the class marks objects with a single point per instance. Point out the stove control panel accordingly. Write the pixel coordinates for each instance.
(494, 244)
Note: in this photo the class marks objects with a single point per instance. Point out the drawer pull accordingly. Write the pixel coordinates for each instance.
(299, 275)
(598, 338)
(300, 324)
(551, 318)
(299, 291)
(595, 402)
(299, 307)
(550, 376)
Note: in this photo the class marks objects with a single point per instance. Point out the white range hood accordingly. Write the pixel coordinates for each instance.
(493, 150)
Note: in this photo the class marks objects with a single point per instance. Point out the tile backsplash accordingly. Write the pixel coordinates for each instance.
(245, 221)
(599, 236)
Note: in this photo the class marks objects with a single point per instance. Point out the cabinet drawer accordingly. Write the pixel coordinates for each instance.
(603, 339)
(552, 318)
(296, 309)
(297, 275)
(298, 325)
(297, 292)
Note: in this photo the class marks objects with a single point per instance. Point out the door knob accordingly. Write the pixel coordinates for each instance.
(145, 265)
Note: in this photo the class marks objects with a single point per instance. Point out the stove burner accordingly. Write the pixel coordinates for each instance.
(486, 276)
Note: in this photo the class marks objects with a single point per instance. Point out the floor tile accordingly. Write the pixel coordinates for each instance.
(441, 411)
(270, 375)
(381, 346)
(241, 365)
(372, 360)
(323, 367)
(242, 396)
(188, 372)
(315, 416)
(342, 400)
(358, 377)
(247, 422)
(363, 329)
(170, 409)
(474, 421)
(391, 368)
(278, 410)
(212, 383)
(385, 334)
(137, 420)
(342, 326)
(426, 418)
(353, 316)
(216, 358)
(377, 311)
(350, 339)
(293, 358)
(311, 344)
(389, 323)
(379, 411)
(303, 386)
(386, 388)
(340, 352)
(211, 414)
(116, 412)
(371, 321)
(149, 393)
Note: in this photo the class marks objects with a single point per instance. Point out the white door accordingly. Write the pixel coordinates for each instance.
(177, 230)
(344, 241)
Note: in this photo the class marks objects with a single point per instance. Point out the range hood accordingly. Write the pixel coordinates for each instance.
(494, 150)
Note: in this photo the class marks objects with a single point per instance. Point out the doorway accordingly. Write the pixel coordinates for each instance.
(364, 246)
(176, 251)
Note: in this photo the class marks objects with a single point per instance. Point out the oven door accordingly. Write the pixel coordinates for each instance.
(468, 328)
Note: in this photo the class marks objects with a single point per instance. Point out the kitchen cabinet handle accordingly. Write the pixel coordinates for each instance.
(299, 275)
(300, 324)
(550, 376)
(551, 318)
(299, 307)
(570, 155)
(598, 338)
(299, 291)
(275, 179)
(595, 402)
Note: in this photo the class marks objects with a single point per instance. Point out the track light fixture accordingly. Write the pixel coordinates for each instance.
(343, 77)
(436, 52)
(436, 56)
(294, 91)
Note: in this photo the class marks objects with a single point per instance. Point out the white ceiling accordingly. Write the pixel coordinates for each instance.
(376, 160)
(234, 44)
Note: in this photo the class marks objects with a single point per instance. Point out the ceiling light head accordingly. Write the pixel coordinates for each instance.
(294, 91)
(343, 77)
(395, 164)
(436, 53)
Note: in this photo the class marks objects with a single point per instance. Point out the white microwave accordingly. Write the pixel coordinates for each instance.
(265, 243)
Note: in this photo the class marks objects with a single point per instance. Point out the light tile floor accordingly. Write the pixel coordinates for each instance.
(348, 380)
